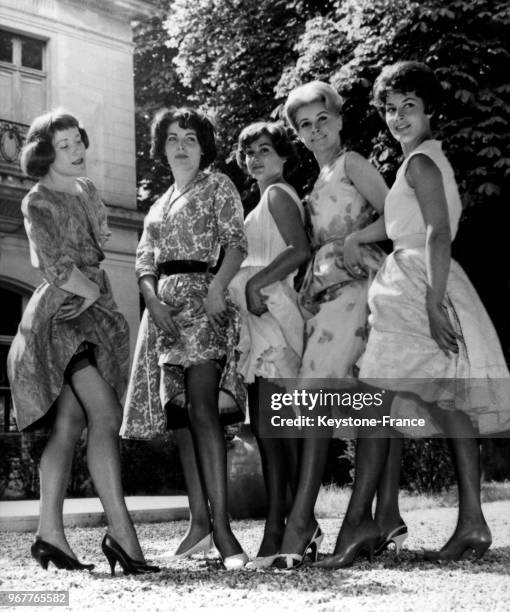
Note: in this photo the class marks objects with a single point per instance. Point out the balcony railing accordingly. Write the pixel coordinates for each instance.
(12, 137)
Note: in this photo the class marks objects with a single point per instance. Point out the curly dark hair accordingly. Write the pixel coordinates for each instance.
(186, 118)
(276, 133)
(38, 152)
(405, 77)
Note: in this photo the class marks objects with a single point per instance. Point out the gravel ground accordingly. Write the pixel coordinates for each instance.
(198, 584)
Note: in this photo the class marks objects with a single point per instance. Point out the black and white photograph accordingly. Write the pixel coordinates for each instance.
(254, 305)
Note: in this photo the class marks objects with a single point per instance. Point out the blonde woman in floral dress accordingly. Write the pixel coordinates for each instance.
(345, 197)
(184, 367)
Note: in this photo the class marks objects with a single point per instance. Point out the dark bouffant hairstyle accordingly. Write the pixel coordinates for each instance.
(405, 77)
(315, 91)
(38, 153)
(186, 118)
(276, 133)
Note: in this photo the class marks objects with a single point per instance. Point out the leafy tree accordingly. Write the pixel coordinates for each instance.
(156, 85)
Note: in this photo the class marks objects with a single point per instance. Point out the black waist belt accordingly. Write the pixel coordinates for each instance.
(182, 266)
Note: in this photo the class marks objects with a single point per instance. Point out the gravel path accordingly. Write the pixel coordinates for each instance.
(408, 585)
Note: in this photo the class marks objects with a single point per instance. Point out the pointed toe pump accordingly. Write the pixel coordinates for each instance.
(44, 553)
(114, 552)
(202, 546)
(473, 545)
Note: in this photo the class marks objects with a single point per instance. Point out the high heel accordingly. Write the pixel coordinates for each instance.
(44, 552)
(204, 545)
(477, 542)
(261, 562)
(114, 552)
(396, 537)
(235, 562)
(288, 561)
(364, 544)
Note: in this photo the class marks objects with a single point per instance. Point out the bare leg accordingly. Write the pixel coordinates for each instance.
(274, 468)
(202, 382)
(103, 454)
(200, 521)
(55, 468)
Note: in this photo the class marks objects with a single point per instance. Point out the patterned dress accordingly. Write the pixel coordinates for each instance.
(401, 354)
(65, 232)
(192, 226)
(335, 302)
(270, 346)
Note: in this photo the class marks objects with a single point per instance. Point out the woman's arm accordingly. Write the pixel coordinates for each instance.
(228, 213)
(371, 185)
(425, 178)
(288, 220)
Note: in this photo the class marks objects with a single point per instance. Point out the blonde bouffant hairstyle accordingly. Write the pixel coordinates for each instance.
(315, 91)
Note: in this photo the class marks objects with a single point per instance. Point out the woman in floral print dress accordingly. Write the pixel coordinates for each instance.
(184, 365)
(70, 357)
(347, 193)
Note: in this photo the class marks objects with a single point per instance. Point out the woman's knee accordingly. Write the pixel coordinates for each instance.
(106, 421)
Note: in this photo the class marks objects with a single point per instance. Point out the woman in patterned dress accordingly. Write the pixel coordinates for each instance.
(185, 355)
(347, 193)
(431, 341)
(271, 337)
(71, 352)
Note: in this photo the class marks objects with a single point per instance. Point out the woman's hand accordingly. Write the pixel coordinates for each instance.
(353, 256)
(255, 302)
(161, 314)
(441, 329)
(216, 307)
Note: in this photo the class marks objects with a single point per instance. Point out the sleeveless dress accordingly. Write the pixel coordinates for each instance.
(401, 354)
(193, 226)
(270, 346)
(333, 302)
(65, 232)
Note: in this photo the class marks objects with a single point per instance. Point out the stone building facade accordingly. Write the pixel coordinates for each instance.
(75, 54)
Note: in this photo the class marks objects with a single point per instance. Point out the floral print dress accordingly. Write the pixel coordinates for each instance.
(192, 226)
(334, 303)
(65, 232)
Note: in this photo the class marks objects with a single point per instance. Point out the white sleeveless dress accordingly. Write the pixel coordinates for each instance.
(400, 354)
(270, 346)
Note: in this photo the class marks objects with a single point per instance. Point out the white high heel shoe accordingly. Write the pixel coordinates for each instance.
(261, 562)
(396, 537)
(235, 562)
(288, 561)
(202, 546)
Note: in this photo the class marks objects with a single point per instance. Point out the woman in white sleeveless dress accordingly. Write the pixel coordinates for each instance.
(431, 340)
(271, 335)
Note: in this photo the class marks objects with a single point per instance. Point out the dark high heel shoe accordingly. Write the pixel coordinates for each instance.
(290, 561)
(396, 537)
(476, 542)
(44, 552)
(114, 552)
(363, 544)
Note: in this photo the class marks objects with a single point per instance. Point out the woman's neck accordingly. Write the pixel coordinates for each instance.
(58, 182)
(183, 179)
(408, 148)
(328, 157)
(265, 183)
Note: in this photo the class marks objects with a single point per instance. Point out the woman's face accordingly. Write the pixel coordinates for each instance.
(318, 128)
(262, 161)
(183, 151)
(406, 118)
(69, 153)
